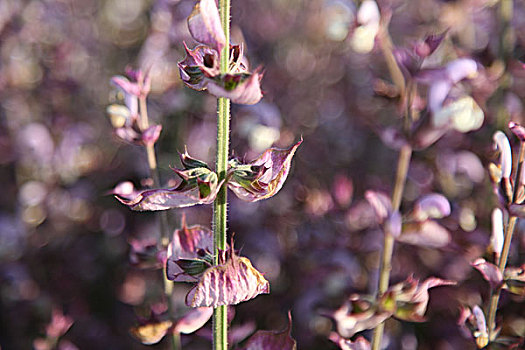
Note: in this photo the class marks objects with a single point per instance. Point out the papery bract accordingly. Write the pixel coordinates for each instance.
(205, 26)
(263, 177)
(271, 340)
(199, 63)
(188, 243)
(241, 88)
(198, 186)
(163, 199)
(231, 282)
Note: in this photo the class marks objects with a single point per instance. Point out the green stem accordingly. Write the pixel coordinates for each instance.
(220, 213)
(388, 248)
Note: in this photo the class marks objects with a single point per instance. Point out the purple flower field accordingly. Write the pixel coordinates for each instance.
(322, 174)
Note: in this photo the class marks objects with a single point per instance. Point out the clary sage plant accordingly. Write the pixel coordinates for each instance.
(196, 254)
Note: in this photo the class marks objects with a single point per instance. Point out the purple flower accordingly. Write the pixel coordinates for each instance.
(125, 119)
(391, 220)
(501, 143)
(193, 320)
(411, 59)
(473, 322)
(497, 236)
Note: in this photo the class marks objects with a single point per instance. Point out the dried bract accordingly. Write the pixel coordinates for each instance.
(263, 177)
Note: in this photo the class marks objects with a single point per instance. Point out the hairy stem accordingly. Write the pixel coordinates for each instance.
(220, 214)
(509, 232)
(388, 248)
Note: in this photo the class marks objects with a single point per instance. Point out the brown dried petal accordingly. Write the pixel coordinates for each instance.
(151, 333)
(229, 284)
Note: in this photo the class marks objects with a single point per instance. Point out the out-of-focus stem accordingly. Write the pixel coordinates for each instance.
(176, 342)
(220, 206)
(509, 232)
(507, 37)
(385, 42)
(388, 248)
(162, 240)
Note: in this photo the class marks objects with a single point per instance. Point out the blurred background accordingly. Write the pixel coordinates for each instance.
(65, 243)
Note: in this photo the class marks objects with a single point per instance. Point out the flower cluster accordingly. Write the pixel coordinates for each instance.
(448, 104)
(253, 181)
(128, 125)
(406, 301)
(200, 69)
(510, 190)
(419, 227)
